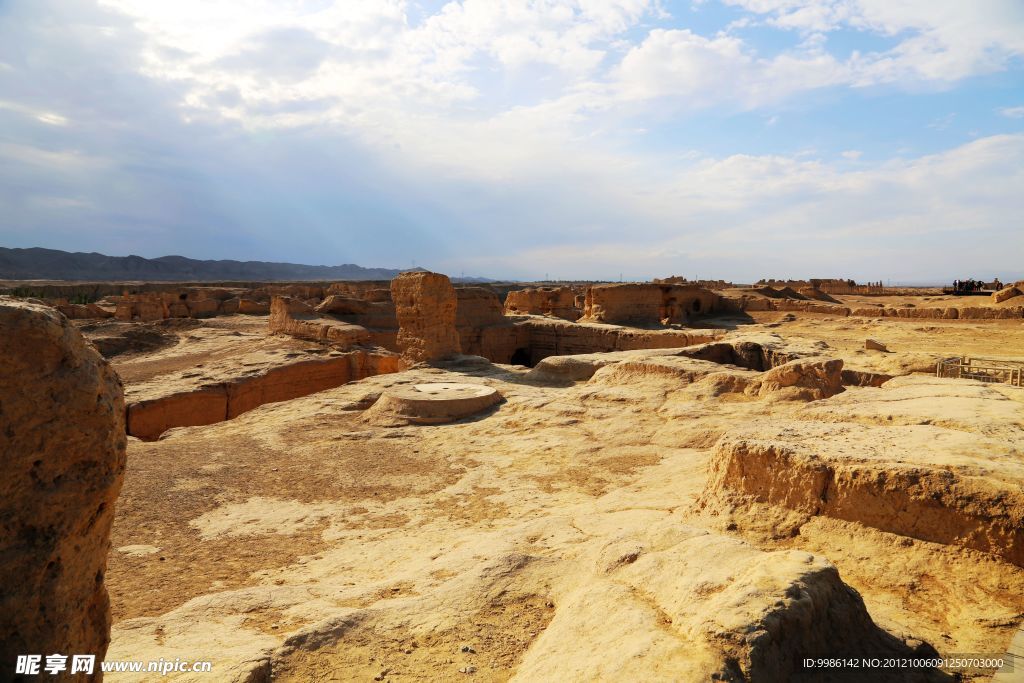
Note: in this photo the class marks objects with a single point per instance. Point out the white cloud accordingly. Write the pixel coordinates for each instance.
(491, 137)
(745, 216)
(1013, 112)
(366, 67)
(939, 40)
(47, 117)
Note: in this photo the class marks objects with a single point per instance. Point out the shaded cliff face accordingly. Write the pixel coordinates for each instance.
(63, 450)
(425, 305)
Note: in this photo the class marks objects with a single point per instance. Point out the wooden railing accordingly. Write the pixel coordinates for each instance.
(982, 369)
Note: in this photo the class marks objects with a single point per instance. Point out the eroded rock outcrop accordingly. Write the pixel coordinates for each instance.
(425, 304)
(63, 450)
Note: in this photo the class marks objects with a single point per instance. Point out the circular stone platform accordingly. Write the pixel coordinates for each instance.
(437, 402)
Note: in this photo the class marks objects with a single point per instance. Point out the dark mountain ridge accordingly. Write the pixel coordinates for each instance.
(53, 264)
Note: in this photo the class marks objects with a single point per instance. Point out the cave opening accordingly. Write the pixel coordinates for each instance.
(522, 356)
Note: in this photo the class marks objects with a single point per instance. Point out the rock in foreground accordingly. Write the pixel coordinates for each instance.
(63, 450)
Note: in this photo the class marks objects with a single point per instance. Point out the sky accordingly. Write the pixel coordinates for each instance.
(545, 139)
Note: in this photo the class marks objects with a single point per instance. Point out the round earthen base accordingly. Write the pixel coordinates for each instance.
(438, 402)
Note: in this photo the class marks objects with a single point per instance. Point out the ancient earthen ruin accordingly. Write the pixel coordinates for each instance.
(425, 305)
(411, 480)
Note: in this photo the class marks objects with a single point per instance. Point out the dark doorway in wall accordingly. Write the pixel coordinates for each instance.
(522, 357)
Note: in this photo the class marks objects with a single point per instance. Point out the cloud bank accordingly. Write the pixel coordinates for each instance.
(575, 138)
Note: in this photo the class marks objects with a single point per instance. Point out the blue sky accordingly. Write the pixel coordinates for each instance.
(732, 139)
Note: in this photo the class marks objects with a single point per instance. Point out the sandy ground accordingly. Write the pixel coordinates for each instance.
(939, 338)
(304, 538)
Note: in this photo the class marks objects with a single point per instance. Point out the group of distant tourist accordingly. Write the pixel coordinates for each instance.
(975, 285)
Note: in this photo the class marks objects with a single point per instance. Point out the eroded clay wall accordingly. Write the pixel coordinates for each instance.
(647, 304)
(206, 405)
(555, 301)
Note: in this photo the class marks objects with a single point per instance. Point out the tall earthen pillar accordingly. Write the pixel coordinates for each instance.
(425, 305)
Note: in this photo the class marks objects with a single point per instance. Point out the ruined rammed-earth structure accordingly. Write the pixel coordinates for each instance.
(412, 480)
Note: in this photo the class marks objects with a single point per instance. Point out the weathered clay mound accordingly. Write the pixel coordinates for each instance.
(292, 317)
(113, 338)
(359, 311)
(752, 355)
(674, 365)
(755, 351)
(803, 380)
(544, 337)
(343, 305)
(558, 369)
(63, 452)
(1006, 294)
(921, 481)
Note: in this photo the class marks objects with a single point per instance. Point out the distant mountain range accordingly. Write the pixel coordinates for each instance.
(52, 264)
